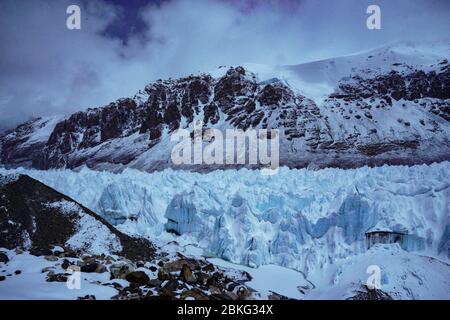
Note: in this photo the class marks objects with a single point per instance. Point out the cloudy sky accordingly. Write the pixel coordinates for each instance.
(46, 69)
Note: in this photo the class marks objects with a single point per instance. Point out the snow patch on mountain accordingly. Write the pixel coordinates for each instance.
(44, 127)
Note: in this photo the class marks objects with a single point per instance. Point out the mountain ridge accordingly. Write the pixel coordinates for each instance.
(388, 106)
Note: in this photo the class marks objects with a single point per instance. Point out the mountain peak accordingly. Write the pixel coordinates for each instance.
(388, 105)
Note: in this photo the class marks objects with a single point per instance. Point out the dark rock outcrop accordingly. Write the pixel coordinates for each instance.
(3, 258)
(139, 277)
(30, 220)
(370, 294)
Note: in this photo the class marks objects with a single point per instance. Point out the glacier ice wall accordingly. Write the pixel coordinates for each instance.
(302, 219)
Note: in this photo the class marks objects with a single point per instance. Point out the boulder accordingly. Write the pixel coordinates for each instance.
(47, 269)
(193, 293)
(172, 285)
(51, 258)
(230, 286)
(132, 288)
(243, 292)
(230, 295)
(214, 290)
(66, 263)
(41, 252)
(202, 278)
(165, 294)
(87, 297)
(89, 268)
(57, 250)
(59, 277)
(164, 275)
(100, 268)
(87, 259)
(276, 296)
(69, 253)
(177, 265)
(139, 277)
(214, 280)
(3, 258)
(186, 274)
(208, 268)
(115, 285)
(245, 276)
(155, 283)
(120, 270)
(134, 296)
(109, 260)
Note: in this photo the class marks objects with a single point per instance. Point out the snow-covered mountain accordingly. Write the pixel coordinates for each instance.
(389, 105)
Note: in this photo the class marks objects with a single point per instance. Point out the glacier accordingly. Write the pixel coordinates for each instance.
(302, 219)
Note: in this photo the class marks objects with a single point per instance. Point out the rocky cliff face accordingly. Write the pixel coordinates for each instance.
(398, 114)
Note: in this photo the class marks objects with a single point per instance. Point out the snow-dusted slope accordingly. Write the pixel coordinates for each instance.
(34, 217)
(385, 106)
(20, 145)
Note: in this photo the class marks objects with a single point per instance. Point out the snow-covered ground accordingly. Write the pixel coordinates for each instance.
(271, 278)
(404, 275)
(31, 283)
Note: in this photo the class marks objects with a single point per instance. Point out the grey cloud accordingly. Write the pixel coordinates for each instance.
(46, 69)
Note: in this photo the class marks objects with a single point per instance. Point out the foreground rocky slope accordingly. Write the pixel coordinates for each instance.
(34, 216)
(389, 106)
(44, 274)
